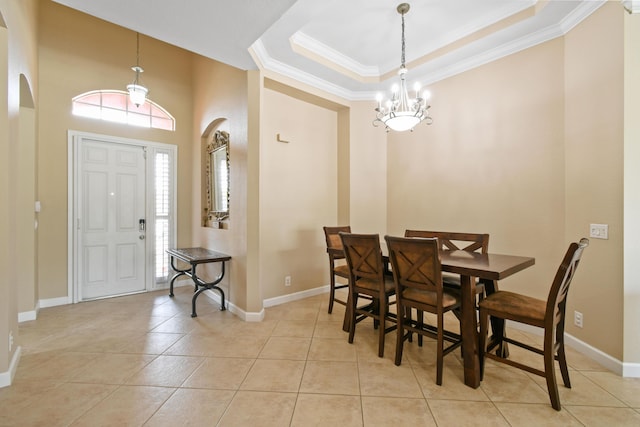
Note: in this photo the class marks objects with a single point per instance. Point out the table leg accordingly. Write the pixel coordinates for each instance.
(179, 272)
(498, 331)
(469, 329)
(206, 286)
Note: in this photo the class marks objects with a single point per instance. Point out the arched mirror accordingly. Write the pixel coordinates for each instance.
(217, 176)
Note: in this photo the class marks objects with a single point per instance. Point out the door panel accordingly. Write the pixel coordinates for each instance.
(112, 246)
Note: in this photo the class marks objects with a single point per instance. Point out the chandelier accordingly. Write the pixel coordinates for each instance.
(401, 113)
(137, 92)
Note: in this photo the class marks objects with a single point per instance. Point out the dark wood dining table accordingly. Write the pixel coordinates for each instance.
(489, 268)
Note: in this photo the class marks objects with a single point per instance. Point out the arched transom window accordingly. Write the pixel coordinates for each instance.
(115, 106)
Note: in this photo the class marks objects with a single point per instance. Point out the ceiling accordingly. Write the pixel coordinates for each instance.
(347, 48)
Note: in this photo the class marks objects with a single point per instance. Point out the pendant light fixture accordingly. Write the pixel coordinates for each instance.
(402, 112)
(137, 92)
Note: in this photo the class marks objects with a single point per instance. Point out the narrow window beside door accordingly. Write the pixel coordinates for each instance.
(162, 184)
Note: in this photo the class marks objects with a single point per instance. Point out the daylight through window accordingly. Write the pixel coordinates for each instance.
(115, 106)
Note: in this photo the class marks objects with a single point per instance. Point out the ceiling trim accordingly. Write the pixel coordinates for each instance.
(266, 62)
(539, 37)
(579, 14)
(319, 52)
(546, 34)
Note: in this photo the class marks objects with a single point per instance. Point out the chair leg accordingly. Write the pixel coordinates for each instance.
(420, 326)
(402, 314)
(352, 324)
(440, 349)
(382, 312)
(376, 310)
(482, 340)
(332, 292)
(408, 314)
(550, 374)
(562, 359)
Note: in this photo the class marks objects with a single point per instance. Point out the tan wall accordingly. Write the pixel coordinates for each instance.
(631, 184)
(8, 319)
(18, 56)
(594, 173)
(368, 194)
(492, 162)
(222, 94)
(25, 204)
(298, 183)
(79, 53)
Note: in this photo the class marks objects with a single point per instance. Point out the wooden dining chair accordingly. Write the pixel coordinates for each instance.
(456, 241)
(418, 279)
(548, 315)
(367, 279)
(340, 269)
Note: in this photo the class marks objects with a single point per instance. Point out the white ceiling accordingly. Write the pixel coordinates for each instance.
(350, 48)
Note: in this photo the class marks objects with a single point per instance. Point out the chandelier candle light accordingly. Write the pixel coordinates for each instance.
(401, 112)
(137, 92)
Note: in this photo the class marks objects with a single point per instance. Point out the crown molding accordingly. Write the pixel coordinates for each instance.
(580, 13)
(266, 62)
(332, 56)
(546, 34)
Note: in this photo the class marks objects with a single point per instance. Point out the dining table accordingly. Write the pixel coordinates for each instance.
(489, 268)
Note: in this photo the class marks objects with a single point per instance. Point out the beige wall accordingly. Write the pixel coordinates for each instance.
(8, 306)
(220, 93)
(79, 53)
(492, 162)
(18, 56)
(631, 185)
(298, 183)
(26, 245)
(368, 192)
(594, 173)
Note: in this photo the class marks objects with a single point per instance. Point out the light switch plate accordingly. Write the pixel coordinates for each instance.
(599, 231)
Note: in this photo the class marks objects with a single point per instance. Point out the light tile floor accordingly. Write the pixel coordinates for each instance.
(142, 360)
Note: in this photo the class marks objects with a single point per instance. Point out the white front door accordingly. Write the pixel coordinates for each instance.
(111, 219)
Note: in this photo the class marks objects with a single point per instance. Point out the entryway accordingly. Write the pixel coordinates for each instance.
(121, 215)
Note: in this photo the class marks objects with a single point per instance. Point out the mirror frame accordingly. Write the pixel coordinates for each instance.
(220, 141)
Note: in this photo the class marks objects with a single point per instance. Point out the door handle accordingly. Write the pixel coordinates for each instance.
(141, 225)
(141, 237)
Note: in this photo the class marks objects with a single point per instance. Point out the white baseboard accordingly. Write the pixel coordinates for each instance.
(26, 316)
(611, 363)
(631, 370)
(244, 315)
(54, 302)
(6, 378)
(270, 302)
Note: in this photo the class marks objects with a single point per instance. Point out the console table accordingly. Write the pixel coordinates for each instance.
(194, 257)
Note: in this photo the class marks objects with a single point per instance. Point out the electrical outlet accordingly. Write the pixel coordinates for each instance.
(287, 281)
(577, 319)
(10, 341)
(599, 231)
